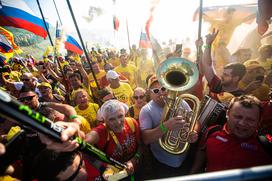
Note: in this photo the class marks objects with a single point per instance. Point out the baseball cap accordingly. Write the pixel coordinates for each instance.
(111, 74)
(45, 84)
(152, 80)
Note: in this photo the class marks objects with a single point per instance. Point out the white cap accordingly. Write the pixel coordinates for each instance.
(112, 75)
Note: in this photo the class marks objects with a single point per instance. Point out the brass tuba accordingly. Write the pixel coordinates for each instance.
(178, 75)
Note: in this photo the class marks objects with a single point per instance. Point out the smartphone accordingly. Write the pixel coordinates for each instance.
(260, 78)
(178, 48)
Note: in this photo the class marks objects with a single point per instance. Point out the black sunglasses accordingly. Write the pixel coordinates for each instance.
(138, 97)
(157, 90)
(25, 80)
(28, 98)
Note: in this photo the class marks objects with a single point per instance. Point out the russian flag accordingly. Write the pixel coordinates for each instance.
(16, 13)
(72, 45)
(144, 41)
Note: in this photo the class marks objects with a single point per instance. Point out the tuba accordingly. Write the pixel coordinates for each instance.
(178, 75)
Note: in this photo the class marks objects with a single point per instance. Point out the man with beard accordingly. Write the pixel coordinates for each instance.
(230, 77)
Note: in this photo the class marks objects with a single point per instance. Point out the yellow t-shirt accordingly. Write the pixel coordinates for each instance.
(7, 178)
(123, 93)
(261, 92)
(98, 76)
(89, 113)
(147, 68)
(129, 72)
(114, 61)
(85, 125)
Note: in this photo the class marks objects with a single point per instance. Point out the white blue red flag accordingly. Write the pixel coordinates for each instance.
(16, 13)
(72, 45)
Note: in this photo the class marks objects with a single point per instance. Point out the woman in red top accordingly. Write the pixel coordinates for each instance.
(118, 137)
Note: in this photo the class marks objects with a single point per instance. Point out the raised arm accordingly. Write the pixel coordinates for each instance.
(206, 61)
(84, 74)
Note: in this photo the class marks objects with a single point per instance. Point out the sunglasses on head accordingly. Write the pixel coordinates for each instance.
(138, 97)
(157, 90)
(28, 98)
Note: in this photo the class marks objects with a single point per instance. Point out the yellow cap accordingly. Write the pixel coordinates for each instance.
(45, 84)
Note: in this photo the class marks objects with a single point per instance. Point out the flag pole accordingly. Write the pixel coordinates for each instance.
(45, 23)
(61, 70)
(82, 43)
(128, 35)
(57, 11)
(199, 28)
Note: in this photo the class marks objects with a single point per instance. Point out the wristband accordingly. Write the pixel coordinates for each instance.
(163, 128)
(207, 46)
(72, 117)
(137, 155)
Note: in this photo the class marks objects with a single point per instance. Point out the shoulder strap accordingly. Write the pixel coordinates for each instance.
(130, 123)
(213, 129)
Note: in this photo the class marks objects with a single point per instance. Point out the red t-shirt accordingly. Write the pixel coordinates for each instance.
(266, 123)
(224, 151)
(128, 141)
(92, 172)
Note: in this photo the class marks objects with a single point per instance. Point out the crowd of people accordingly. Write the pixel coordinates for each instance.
(116, 103)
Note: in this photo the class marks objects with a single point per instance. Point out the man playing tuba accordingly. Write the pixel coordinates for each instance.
(164, 163)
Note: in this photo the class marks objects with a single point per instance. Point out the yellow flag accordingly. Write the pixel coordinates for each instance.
(49, 50)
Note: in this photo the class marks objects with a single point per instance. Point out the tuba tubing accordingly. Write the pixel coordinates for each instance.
(178, 75)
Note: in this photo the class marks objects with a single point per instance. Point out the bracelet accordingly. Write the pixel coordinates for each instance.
(137, 155)
(163, 128)
(207, 46)
(73, 116)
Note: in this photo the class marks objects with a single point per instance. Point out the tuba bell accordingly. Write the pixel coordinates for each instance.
(178, 75)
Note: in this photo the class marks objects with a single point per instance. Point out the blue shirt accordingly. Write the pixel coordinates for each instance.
(150, 117)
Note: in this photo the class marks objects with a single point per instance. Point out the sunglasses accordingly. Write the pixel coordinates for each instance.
(25, 80)
(157, 90)
(138, 97)
(28, 98)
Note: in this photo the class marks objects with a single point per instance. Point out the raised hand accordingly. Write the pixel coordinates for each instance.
(71, 129)
(211, 37)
